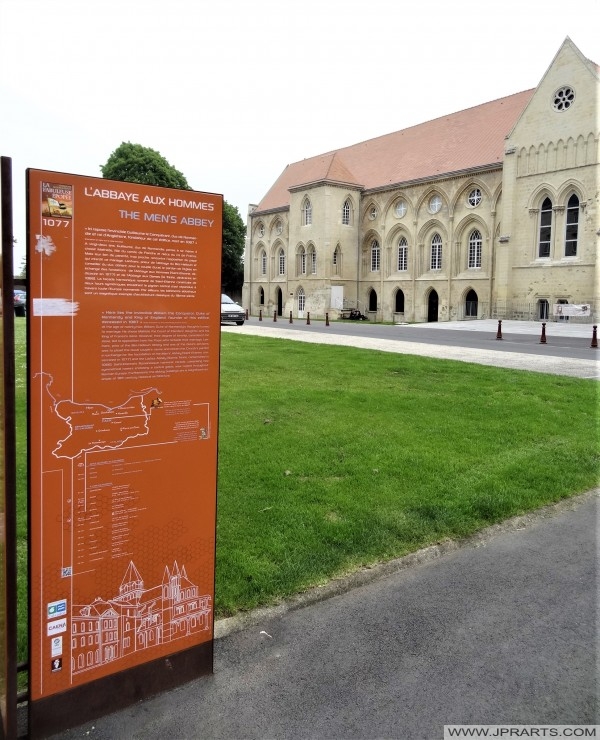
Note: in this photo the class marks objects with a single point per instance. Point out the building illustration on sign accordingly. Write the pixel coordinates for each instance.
(137, 618)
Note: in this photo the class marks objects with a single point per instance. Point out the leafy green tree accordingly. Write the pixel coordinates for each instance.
(135, 163)
(234, 238)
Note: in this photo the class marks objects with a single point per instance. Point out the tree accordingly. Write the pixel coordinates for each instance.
(234, 238)
(135, 163)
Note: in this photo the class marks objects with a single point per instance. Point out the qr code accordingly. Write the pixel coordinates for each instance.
(66, 572)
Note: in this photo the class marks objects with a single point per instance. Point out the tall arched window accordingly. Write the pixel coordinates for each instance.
(399, 301)
(346, 213)
(545, 228)
(337, 257)
(375, 256)
(402, 255)
(436, 252)
(312, 260)
(281, 261)
(572, 229)
(475, 249)
(301, 266)
(263, 262)
(306, 212)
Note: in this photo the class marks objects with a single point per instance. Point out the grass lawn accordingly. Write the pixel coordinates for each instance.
(331, 458)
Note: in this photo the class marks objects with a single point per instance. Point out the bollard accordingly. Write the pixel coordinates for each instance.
(543, 337)
(260, 314)
(291, 319)
(594, 344)
(274, 315)
(499, 332)
(246, 314)
(308, 318)
(326, 319)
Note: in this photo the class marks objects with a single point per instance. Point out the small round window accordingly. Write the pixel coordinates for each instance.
(400, 209)
(373, 213)
(279, 227)
(563, 98)
(435, 204)
(474, 197)
(261, 229)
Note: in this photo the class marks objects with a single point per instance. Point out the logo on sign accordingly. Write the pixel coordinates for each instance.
(56, 647)
(56, 627)
(56, 665)
(57, 609)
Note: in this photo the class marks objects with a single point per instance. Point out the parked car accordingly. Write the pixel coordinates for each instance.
(20, 301)
(230, 311)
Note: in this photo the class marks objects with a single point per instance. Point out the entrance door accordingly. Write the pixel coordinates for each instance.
(432, 306)
(301, 303)
(471, 304)
(279, 295)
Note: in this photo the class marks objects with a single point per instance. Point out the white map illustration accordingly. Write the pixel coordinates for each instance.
(97, 427)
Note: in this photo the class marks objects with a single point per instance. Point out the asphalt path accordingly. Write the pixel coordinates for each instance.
(567, 350)
(500, 631)
(576, 344)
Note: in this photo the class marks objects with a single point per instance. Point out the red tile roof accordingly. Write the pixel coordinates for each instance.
(460, 141)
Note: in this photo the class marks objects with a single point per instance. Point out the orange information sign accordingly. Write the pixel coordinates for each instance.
(124, 331)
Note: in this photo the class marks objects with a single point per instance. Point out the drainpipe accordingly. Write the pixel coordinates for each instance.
(450, 264)
(492, 277)
(358, 250)
(383, 259)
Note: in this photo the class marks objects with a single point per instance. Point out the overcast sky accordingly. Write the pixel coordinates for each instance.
(230, 92)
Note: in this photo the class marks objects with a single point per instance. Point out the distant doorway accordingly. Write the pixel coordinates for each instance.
(471, 305)
(372, 301)
(279, 296)
(301, 303)
(432, 306)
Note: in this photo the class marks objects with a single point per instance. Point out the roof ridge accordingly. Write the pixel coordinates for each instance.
(415, 125)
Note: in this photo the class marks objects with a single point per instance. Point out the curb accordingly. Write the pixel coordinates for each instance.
(230, 625)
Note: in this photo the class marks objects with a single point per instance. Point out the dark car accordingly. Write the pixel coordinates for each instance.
(20, 301)
(230, 311)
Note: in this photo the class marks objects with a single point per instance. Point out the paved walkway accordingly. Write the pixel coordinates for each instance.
(489, 326)
(589, 369)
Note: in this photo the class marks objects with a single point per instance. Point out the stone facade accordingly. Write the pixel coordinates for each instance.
(468, 233)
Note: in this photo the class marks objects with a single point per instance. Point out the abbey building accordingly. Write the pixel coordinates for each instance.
(491, 212)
